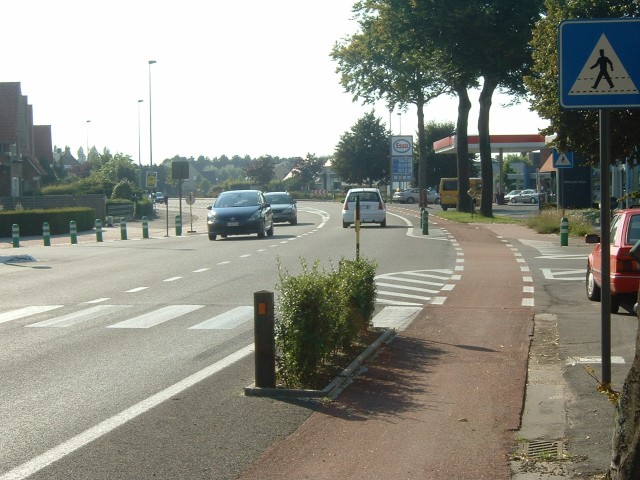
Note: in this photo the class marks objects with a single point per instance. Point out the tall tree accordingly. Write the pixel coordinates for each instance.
(307, 169)
(441, 165)
(261, 170)
(383, 62)
(362, 155)
(479, 38)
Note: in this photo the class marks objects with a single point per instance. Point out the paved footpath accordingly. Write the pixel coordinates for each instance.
(442, 400)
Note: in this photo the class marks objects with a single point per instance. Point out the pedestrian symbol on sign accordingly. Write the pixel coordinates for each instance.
(603, 62)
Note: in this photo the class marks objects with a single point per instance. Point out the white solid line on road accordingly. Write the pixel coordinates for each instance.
(527, 302)
(227, 320)
(571, 361)
(156, 317)
(26, 312)
(56, 453)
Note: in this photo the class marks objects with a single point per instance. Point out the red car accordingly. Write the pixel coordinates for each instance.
(625, 271)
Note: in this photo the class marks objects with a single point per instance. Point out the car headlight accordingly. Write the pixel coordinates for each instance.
(254, 216)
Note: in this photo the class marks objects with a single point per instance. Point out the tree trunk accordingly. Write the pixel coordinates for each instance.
(625, 460)
(462, 125)
(486, 207)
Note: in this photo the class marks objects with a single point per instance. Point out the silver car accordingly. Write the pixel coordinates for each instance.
(412, 195)
(526, 196)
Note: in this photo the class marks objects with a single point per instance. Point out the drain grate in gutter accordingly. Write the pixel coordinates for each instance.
(544, 448)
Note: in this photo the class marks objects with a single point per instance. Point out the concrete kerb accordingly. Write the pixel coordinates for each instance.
(333, 389)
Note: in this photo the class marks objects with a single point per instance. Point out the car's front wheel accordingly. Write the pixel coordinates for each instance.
(294, 221)
(513, 200)
(262, 231)
(533, 200)
(270, 231)
(383, 223)
(410, 200)
(345, 224)
(212, 236)
(593, 290)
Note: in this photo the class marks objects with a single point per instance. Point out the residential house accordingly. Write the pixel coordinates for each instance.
(20, 169)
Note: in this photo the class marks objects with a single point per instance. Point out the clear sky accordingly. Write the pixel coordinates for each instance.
(249, 77)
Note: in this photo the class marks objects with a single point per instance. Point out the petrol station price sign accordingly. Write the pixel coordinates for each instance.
(402, 158)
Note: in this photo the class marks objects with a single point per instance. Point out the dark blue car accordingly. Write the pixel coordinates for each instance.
(240, 212)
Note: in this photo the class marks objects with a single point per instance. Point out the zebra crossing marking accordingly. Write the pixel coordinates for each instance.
(26, 312)
(151, 319)
(404, 288)
(79, 316)
(227, 320)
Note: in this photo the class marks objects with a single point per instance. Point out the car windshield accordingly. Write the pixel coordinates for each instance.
(278, 198)
(633, 234)
(236, 199)
(364, 196)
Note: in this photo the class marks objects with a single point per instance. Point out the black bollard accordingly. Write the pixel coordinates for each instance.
(264, 339)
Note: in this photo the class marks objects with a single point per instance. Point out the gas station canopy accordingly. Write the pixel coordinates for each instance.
(499, 143)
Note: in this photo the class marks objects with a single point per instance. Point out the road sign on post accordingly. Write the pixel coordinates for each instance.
(597, 63)
(598, 69)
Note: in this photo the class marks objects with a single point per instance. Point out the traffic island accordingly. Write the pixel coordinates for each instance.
(336, 386)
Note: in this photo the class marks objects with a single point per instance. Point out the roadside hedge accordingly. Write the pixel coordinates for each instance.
(31, 221)
(321, 316)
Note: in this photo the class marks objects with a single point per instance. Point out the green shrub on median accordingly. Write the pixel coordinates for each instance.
(321, 316)
(30, 221)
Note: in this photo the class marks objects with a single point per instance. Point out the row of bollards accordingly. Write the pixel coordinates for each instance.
(73, 231)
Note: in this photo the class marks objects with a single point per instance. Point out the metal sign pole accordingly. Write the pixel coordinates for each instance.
(605, 246)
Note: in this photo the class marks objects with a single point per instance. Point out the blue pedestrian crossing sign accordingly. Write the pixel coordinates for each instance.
(562, 159)
(598, 63)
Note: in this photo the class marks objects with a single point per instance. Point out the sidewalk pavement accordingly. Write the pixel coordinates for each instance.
(157, 228)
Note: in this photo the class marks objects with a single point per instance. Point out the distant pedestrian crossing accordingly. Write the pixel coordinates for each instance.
(195, 317)
(415, 287)
(83, 314)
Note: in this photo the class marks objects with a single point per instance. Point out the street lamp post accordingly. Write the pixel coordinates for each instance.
(400, 118)
(151, 62)
(139, 154)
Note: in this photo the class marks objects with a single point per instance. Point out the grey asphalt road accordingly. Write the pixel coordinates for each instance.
(111, 367)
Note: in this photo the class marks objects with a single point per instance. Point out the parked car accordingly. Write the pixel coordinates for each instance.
(372, 208)
(412, 195)
(511, 194)
(158, 197)
(240, 212)
(525, 196)
(624, 270)
(283, 206)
